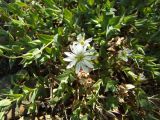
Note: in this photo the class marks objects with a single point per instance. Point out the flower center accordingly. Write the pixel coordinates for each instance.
(80, 57)
(82, 42)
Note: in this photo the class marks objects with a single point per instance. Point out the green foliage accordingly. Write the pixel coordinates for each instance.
(34, 34)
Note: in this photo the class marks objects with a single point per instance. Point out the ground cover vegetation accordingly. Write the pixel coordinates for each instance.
(80, 59)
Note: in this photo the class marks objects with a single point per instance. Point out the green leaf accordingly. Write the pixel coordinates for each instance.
(21, 4)
(97, 85)
(129, 19)
(50, 3)
(110, 86)
(36, 53)
(130, 73)
(32, 108)
(76, 113)
(44, 38)
(2, 115)
(27, 89)
(140, 49)
(5, 102)
(19, 22)
(1, 52)
(35, 42)
(82, 7)
(68, 16)
(114, 21)
(63, 79)
(33, 96)
(5, 48)
(90, 2)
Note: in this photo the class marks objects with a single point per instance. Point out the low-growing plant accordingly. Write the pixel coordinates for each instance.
(79, 59)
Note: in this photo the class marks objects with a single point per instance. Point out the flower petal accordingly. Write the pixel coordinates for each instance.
(85, 47)
(85, 69)
(89, 64)
(71, 64)
(69, 54)
(78, 67)
(91, 51)
(72, 47)
(68, 59)
(88, 40)
(80, 37)
(90, 57)
(79, 49)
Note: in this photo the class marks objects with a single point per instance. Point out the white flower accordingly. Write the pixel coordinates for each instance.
(80, 57)
(81, 40)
